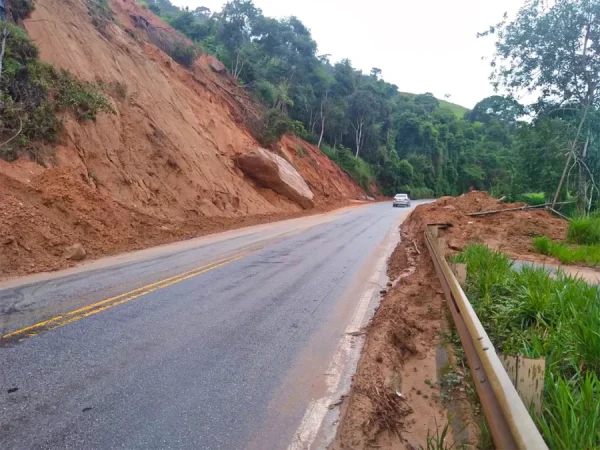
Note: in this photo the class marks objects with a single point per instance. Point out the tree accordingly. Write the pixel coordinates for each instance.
(154, 8)
(496, 107)
(361, 107)
(552, 48)
(235, 24)
(408, 142)
(376, 73)
(427, 101)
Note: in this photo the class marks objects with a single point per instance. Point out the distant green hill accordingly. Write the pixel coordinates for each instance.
(458, 110)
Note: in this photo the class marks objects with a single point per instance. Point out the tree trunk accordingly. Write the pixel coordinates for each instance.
(582, 188)
(358, 129)
(587, 101)
(322, 131)
(571, 152)
(3, 50)
(357, 136)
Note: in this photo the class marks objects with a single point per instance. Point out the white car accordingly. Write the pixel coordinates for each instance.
(401, 200)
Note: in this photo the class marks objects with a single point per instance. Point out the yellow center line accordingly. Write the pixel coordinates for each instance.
(97, 307)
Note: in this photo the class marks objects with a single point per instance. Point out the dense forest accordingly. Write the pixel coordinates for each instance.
(417, 143)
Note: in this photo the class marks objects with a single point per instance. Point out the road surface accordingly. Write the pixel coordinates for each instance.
(237, 340)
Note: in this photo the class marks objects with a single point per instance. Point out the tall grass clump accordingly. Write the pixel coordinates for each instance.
(568, 254)
(533, 313)
(584, 230)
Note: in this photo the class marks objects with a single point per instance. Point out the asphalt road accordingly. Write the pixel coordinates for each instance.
(215, 343)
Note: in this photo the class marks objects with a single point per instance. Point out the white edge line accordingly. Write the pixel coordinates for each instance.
(316, 411)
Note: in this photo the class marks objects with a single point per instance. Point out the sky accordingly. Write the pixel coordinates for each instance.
(420, 45)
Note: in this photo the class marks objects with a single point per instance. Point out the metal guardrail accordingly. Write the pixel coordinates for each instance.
(509, 421)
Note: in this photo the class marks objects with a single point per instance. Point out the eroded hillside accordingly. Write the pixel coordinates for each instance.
(161, 168)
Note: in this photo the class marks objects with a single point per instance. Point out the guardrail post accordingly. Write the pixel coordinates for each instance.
(460, 272)
(527, 376)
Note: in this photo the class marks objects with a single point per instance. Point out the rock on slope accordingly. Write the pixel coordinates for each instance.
(162, 168)
(273, 171)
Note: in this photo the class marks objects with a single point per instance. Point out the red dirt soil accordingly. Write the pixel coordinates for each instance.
(401, 340)
(161, 169)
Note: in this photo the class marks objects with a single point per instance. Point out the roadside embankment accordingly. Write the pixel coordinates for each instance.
(403, 387)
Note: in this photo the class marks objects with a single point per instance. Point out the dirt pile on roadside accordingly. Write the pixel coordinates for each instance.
(161, 168)
(40, 220)
(510, 231)
(395, 399)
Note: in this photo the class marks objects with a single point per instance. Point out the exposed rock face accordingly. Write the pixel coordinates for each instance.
(274, 172)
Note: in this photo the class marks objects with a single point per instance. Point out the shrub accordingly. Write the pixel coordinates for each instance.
(275, 124)
(266, 92)
(584, 230)
(143, 5)
(182, 53)
(20, 9)
(357, 168)
(417, 193)
(119, 89)
(533, 198)
(100, 14)
(28, 112)
(80, 97)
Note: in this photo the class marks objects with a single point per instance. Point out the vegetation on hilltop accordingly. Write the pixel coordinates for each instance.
(413, 142)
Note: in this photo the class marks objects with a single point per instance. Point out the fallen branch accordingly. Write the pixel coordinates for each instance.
(520, 208)
(557, 213)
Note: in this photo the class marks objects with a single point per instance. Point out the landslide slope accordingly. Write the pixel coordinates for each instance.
(161, 168)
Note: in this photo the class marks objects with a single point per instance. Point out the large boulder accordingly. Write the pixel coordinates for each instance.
(216, 65)
(274, 172)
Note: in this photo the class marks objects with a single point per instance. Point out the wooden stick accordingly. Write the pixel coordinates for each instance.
(558, 214)
(520, 208)
(416, 248)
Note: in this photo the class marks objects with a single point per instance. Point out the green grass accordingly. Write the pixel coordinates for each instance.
(533, 198)
(584, 230)
(459, 111)
(531, 313)
(439, 440)
(568, 254)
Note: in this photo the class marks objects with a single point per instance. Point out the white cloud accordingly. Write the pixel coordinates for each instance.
(421, 46)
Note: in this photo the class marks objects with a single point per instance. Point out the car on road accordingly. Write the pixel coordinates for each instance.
(401, 200)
